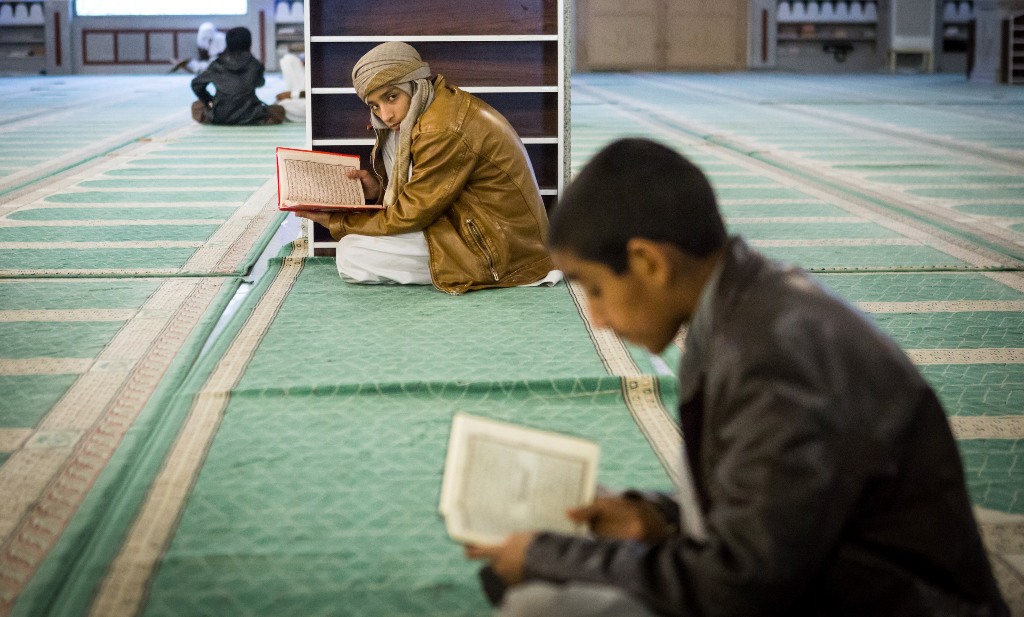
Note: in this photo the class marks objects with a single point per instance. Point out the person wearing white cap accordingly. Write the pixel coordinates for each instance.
(210, 43)
(462, 209)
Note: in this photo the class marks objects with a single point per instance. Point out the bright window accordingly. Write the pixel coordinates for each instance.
(96, 8)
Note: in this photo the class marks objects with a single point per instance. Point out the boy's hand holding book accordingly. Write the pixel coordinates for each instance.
(312, 181)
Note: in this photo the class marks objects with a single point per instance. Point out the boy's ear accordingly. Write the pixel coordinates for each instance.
(649, 259)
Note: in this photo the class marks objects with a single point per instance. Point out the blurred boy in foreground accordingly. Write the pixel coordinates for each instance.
(825, 469)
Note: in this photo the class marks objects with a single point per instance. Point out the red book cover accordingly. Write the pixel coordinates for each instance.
(314, 180)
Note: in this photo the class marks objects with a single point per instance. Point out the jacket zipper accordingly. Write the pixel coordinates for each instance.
(478, 237)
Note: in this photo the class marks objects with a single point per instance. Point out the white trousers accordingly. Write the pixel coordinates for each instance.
(198, 66)
(294, 75)
(541, 599)
(401, 259)
(375, 260)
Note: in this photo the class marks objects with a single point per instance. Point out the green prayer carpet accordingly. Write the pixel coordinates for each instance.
(294, 466)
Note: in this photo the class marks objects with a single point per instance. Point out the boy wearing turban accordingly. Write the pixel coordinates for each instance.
(462, 209)
(210, 43)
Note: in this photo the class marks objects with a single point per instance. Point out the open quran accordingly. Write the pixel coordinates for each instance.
(313, 180)
(500, 478)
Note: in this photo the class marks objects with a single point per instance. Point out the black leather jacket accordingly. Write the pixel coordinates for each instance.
(830, 480)
(235, 76)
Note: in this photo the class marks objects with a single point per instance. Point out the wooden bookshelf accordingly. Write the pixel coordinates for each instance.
(510, 53)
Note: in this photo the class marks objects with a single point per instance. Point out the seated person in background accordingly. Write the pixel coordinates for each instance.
(462, 209)
(823, 464)
(293, 71)
(210, 43)
(235, 75)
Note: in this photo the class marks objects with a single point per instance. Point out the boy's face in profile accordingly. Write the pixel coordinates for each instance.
(636, 304)
(390, 104)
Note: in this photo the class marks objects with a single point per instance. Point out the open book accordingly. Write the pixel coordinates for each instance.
(500, 478)
(312, 180)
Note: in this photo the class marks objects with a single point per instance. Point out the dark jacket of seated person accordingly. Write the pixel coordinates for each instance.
(235, 75)
(824, 470)
(824, 464)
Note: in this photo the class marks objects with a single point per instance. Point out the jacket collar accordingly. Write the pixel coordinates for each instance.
(698, 333)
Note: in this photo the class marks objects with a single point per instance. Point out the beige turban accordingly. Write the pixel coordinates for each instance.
(392, 64)
(389, 63)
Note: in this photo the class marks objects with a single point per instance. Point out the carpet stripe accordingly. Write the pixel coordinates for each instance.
(51, 475)
(837, 242)
(737, 220)
(123, 589)
(229, 246)
(654, 420)
(13, 438)
(966, 356)
(45, 366)
(988, 427)
(68, 315)
(152, 244)
(106, 222)
(957, 306)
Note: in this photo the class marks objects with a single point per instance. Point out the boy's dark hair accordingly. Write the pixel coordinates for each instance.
(636, 188)
(238, 39)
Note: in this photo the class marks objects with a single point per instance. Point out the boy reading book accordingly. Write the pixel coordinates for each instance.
(462, 209)
(826, 472)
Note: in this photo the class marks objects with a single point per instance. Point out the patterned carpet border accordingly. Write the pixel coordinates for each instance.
(55, 468)
(124, 588)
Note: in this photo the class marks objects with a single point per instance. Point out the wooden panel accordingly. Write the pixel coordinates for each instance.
(619, 35)
(432, 17)
(662, 35)
(706, 37)
(532, 114)
(491, 63)
(344, 116)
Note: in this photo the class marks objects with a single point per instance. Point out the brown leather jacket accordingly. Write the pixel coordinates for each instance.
(472, 192)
